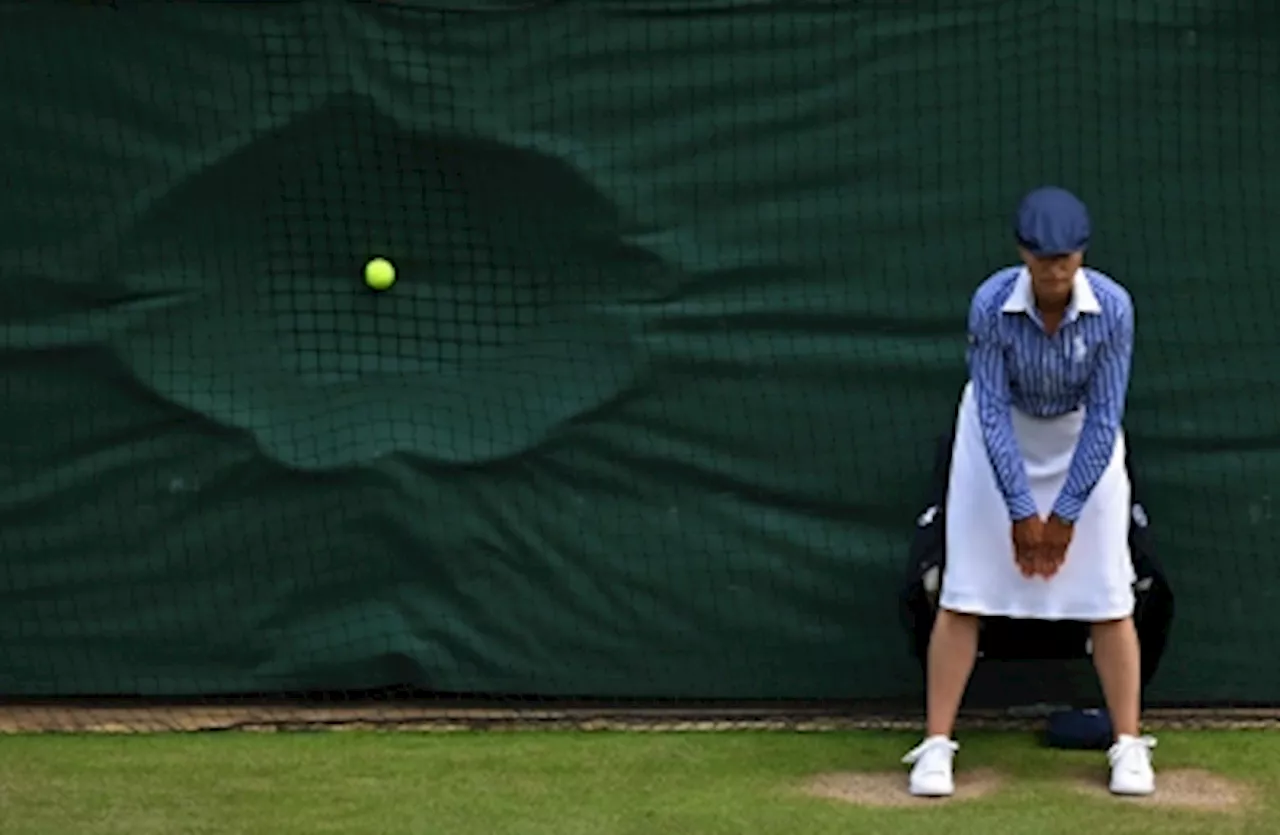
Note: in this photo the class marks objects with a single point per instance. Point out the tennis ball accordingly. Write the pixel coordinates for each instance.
(379, 274)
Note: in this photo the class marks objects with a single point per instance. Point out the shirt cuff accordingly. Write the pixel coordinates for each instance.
(1068, 508)
(1022, 506)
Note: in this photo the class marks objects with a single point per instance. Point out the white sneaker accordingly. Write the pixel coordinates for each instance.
(931, 767)
(1131, 771)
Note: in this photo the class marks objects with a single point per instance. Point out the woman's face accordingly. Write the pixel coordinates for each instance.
(1052, 276)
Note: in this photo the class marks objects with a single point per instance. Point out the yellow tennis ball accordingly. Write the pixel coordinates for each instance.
(379, 274)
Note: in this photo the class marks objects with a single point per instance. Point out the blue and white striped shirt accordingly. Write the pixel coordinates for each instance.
(1014, 363)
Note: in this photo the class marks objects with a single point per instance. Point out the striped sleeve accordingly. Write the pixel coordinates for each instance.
(990, 380)
(1104, 411)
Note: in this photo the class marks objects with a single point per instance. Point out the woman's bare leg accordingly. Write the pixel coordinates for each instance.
(1118, 660)
(953, 649)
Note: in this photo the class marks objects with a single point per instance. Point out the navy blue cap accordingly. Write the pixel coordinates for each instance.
(1052, 221)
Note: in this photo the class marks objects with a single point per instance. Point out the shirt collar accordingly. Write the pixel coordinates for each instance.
(1022, 299)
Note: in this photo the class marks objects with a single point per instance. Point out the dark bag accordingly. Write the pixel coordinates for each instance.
(1008, 639)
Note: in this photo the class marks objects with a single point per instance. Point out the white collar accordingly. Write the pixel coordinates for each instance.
(1022, 298)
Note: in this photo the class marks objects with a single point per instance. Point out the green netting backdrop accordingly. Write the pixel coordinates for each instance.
(680, 309)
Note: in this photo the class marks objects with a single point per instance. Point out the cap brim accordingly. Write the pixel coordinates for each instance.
(1047, 252)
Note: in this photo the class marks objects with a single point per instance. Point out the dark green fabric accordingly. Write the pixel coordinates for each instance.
(679, 313)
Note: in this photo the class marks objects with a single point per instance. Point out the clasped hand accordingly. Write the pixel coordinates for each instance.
(1040, 546)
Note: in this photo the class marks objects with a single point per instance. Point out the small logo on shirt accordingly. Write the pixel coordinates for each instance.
(1081, 350)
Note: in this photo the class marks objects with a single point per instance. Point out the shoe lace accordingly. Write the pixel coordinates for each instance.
(1128, 746)
(930, 745)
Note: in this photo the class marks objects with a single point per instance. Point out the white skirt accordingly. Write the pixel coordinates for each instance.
(981, 577)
